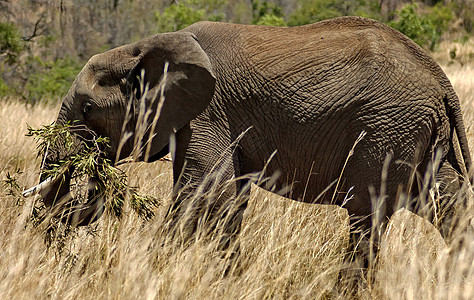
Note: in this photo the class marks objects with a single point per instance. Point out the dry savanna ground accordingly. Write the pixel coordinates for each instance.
(288, 249)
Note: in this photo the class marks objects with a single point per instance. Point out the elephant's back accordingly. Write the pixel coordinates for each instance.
(309, 91)
(346, 48)
(347, 65)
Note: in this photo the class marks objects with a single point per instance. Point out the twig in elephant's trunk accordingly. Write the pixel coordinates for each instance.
(83, 158)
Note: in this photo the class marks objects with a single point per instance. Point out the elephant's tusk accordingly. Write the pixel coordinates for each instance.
(38, 188)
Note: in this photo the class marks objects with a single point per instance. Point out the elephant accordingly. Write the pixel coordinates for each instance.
(334, 112)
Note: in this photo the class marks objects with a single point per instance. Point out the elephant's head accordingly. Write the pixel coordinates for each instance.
(108, 99)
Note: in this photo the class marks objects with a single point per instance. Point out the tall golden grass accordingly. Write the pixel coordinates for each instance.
(288, 249)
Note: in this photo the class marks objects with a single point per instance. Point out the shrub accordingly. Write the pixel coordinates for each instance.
(184, 13)
(267, 13)
(53, 79)
(10, 42)
(4, 89)
(310, 11)
(271, 20)
(423, 29)
(178, 16)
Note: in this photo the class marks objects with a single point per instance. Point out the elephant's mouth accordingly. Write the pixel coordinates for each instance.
(55, 182)
(57, 197)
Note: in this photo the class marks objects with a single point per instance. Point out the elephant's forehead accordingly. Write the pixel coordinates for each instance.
(104, 61)
(112, 63)
(85, 78)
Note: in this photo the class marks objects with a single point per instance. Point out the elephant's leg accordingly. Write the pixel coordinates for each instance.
(383, 169)
(374, 189)
(379, 179)
(446, 198)
(232, 217)
(436, 194)
(208, 197)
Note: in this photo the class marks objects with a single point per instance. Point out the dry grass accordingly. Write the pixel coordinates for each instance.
(288, 249)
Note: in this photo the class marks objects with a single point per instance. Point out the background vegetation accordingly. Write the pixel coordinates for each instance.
(289, 249)
(44, 44)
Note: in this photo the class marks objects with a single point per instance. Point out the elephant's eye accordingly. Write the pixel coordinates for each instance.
(87, 106)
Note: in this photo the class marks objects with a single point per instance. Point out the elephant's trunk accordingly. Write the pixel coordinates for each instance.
(52, 190)
(57, 195)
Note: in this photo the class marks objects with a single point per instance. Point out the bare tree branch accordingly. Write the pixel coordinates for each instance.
(38, 26)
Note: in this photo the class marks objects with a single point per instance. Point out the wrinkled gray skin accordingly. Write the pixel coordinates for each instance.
(306, 92)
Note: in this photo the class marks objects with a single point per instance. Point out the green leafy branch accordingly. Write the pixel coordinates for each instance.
(87, 159)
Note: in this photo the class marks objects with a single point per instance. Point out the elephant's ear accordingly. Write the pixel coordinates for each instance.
(189, 81)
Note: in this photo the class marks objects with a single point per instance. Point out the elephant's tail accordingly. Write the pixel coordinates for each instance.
(457, 123)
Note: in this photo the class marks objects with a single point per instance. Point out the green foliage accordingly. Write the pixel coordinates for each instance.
(367, 9)
(13, 187)
(440, 16)
(10, 42)
(4, 89)
(271, 20)
(53, 79)
(89, 161)
(311, 11)
(178, 16)
(51, 137)
(267, 13)
(181, 14)
(411, 24)
(423, 29)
